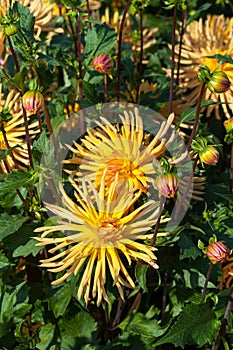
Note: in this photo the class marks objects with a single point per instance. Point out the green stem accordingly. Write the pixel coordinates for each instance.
(206, 281)
(118, 67)
(223, 323)
(173, 61)
(196, 120)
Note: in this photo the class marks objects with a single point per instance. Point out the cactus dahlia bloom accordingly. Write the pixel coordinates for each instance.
(42, 10)
(14, 134)
(202, 39)
(112, 150)
(101, 236)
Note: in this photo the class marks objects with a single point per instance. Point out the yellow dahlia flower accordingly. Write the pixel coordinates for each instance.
(202, 39)
(14, 133)
(100, 233)
(112, 150)
(42, 10)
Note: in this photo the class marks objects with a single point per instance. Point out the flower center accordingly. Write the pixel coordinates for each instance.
(126, 169)
(110, 231)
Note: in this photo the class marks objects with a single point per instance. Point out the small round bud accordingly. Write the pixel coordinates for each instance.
(209, 155)
(103, 63)
(217, 252)
(167, 185)
(33, 100)
(219, 82)
(10, 29)
(228, 124)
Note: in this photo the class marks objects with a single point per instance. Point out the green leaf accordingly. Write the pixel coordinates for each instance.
(189, 114)
(196, 325)
(197, 13)
(228, 197)
(76, 330)
(60, 299)
(188, 248)
(15, 180)
(100, 39)
(138, 324)
(26, 21)
(21, 242)
(140, 274)
(10, 224)
(222, 58)
(46, 336)
(4, 262)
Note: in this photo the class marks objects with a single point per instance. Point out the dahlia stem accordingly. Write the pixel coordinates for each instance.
(73, 35)
(206, 281)
(80, 56)
(15, 58)
(158, 221)
(50, 128)
(164, 297)
(231, 170)
(118, 66)
(198, 109)
(141, 56)
(224, 322)
(28, 139)
(89, 14)
(39, 120)
(105, 88)
(180, 45)
(173, 61)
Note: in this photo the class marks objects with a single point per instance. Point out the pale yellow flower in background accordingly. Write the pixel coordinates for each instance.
(101, 233)
(14, 133)
(114, 149)
(202, 39)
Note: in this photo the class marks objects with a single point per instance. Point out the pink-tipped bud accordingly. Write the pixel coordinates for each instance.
(217, 252)
(167, 185)
(209, 155)
(228, 125)
(32, 100)
(219, 82)
(103, 63)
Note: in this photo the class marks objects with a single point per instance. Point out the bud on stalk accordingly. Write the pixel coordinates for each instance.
(103, 63)
(32, 101)
(217, 252)
(209, 155)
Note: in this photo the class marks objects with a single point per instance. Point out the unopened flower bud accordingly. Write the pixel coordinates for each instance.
(167, 185)
(219, 82)
(33, 100)
(217, 252)
(228, 125)
(103, 63)
(209, 155)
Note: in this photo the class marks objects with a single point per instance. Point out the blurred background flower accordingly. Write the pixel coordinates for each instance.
(202, 39)
(14, 131)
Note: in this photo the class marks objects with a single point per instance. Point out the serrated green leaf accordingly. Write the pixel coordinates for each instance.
(46, 336)
(99, 39)
(137, 323)
(10, 224)
(26, 21)
(60, 299)
(76, 330)
(21, 242)
(15, 180)
(140, 274)
(196, 325)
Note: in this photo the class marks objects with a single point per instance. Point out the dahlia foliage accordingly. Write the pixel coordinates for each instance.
(116, 174)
